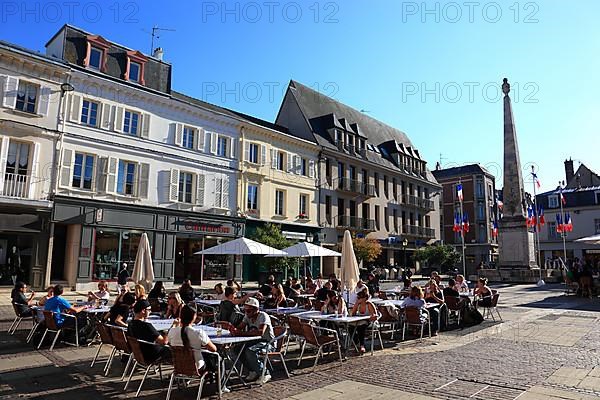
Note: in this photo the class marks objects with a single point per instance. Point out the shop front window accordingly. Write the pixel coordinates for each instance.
(114, 247)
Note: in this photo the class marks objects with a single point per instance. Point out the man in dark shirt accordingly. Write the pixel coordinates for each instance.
(321, 294)
(266, 288)
(142, 330)
(450, 291)
(21, 301)
(122, 278)
(119, 312)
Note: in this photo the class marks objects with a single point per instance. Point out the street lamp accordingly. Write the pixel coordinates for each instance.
(66, 87)
(404, 244)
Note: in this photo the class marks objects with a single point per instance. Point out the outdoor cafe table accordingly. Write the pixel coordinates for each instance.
(343, 321)
(208, 302)
(222, 341)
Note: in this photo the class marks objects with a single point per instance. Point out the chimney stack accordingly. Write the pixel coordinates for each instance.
(158, 53)
(569, 171)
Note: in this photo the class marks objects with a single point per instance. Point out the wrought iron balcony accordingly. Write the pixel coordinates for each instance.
(418, 202)
(418, 231)
(355, 186)
(355, 223)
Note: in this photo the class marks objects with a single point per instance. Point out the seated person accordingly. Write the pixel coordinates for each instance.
(296, 287)
(158, 291)
(461, 284)
(186, 291)
(219, 293)
(142, 330)
(233, 283)
(450, 290)
(140, 292)
(321, 294)
(372, 284)
(229, 310)
(255, 323)
(102, 294)
(119, 312)
(360, 286)
(22, 301)
(363, 306)
(174, 304)
(311, 287)
(437, 278)
(336, 284)
(416, 300)
(277, 298)
(334, 304)
(195, 339)
(49, 295)
(483, 292)
(265, 289)
(58, 304)
(433, 294)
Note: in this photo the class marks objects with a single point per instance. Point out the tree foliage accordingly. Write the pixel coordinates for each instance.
(270, 235)
(366, 250)
(443, 256)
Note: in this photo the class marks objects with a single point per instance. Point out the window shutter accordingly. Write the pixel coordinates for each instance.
(174, 185)
(100, 181)
(44, 100)
(225, 199)
(178, 134)
(218, 192)
(200, 139)
(2, 83)
(200, 182)
(232, 147)
(273, 159)
(213, 142)
(119, 117)
(4, 143)
(290, 163)
(107, 112)
(263, 154)
(11, 86)
(111, 175)
(297, 164)
(75, 115)
(143, 183)
(311, 168)
(145, 126)
(66, 168)
(246, 151)
(34, 175)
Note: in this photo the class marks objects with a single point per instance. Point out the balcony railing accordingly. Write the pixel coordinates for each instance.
(418, 231)
(16, 186)
(357, 223)
(355, 186)
(419, 202)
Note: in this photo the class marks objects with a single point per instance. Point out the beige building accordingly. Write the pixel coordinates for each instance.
(277, 184)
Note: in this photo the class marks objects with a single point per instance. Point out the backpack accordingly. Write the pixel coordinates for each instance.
(472, 317)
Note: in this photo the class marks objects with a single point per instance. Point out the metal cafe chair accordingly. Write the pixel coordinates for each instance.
(185, 368)
(105, 340)
(52, 327)
(140, 361)
(319, 341)
(412, 317)
(119, 340)
(277, 345)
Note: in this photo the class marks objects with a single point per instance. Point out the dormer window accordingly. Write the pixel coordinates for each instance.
(134, 71)
(97, 50)
(339, 136)
(95, 58)
(361, 144)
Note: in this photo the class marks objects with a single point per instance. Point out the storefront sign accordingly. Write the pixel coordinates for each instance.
(294, 235)
(212, 228)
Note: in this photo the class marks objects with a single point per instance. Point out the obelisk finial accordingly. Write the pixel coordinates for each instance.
(505, 87)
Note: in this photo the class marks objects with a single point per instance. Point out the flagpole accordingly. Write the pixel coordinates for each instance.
(462, 232)
(562, 233)
(536, 225)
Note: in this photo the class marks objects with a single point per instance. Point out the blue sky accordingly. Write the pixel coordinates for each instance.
(431, 69)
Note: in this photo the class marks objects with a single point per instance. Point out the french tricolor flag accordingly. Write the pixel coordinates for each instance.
(495, 229)
(459, 192)
(537, 181)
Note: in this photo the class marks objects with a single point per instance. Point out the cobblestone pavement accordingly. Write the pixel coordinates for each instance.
(546, 347)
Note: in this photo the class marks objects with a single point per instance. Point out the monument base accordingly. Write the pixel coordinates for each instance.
(516, 245)
(520, 275)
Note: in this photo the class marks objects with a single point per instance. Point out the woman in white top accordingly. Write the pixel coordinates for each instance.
(101, 294)
(185, 336)
(461, 285)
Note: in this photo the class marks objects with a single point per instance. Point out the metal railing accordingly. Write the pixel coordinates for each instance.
(356, 186)
(345, 221)
(420, 231)
(419, 202)
(16, 186)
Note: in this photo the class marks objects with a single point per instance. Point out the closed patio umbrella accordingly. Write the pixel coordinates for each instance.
(143, 271)
(349, 272)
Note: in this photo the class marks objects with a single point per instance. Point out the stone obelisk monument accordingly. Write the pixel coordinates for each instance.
(516, 243)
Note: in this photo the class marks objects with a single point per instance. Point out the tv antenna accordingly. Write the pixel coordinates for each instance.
(155, 34)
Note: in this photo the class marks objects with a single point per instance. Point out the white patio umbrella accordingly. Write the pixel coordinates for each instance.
(349, 272)
(143, 271)
(243, 246)
(308, 250)
(589, 239)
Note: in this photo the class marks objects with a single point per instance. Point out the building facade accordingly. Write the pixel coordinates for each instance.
(31, 97)
(581, 194)
(479, 205)
(138, 157)
(370, 178)
(277, 185)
